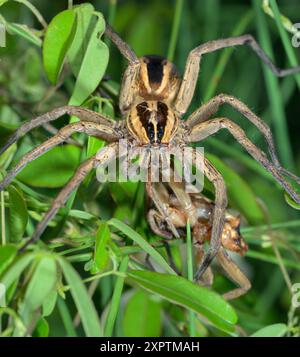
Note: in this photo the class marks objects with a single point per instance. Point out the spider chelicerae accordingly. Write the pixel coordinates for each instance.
(153, 101)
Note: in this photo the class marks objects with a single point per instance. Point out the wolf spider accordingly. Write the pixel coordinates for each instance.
(153, 101)
(175, 198)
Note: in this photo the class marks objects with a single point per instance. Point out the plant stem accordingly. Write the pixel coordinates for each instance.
(271, 259)
(175, 29)
(273, 91)
(190, 274)
(35, 12)
(285, 39)
(290, 224)
(224, 58)
(112, 11)
(115, 301)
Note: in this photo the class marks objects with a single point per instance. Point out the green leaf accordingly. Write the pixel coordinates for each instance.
(25, 32)
(95, 144)
(49, 303)
(41, 284)
(130, 233)
(101, 255)
(18, 215)
(58, 38)
(124, 213)
(142, 316)
(93, 65)
(7, 255)
(82, 300)
(80, 41)
(114, 306)
(276, 330)
(123, 191)
(15, 271)
(7, 156)
(291, 202)
(53, 169)
(239, 192)
(66, 317)
(185, 293)
(41, 329)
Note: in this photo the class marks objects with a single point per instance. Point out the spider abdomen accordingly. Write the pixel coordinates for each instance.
(158, 79)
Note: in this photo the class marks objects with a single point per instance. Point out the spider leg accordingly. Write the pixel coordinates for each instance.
(209, 109)
(161, 206)
(122, 46)
(81, 113)
(171, 259)
(235, 274)
(154, 219)
(106, 154)
(192, 67)
(90, 128)
(128, 92)
(208, 276)
(205, 129)
(218, 218)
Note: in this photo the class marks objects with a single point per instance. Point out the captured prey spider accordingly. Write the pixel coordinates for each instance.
(153, 101)
(202, 208)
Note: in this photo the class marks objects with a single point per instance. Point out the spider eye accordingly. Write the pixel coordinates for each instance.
(160, 132)
(150, 133)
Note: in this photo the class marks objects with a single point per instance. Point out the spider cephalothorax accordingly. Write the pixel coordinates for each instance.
(152, 102)
(152, 122)
(151, 119)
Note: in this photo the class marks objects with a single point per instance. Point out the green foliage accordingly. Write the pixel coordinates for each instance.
(83, 303)
(18, 215)
(58, 38)
(143, 316)
(183, 292)
(276, 330)
(91, 274)
(53, 169)
(93, 64)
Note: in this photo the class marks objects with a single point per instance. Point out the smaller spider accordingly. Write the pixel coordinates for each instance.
(153, 101)
(173, 198)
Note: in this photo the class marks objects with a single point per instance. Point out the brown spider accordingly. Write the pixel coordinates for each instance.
(202, 213)
(153, 101)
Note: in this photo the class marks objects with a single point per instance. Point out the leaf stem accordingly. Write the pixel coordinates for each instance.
(115, 301)
(280, 225)
(273, 91)
(285, 39)
(175, 29)
(35, 12)
(225, 56)
(190, 274)
(112, 11)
